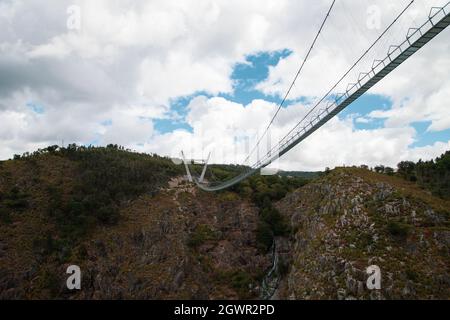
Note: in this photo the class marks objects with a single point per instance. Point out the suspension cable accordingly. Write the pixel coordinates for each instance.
(293, 82)
(351, 68)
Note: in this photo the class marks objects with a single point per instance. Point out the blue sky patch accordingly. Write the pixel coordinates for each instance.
(255, 70)
(106, 123)
(179, 105)
(245, 77)
(167, 125)
(363, 107)
(425, 138)
(35, 107)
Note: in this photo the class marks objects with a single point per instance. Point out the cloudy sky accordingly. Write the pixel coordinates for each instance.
(207, 75)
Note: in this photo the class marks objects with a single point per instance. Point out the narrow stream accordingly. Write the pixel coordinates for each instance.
(272, 279)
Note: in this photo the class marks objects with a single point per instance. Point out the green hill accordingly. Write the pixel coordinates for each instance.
(139, 231)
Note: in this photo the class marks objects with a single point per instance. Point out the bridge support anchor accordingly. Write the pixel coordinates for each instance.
(188, 172)
(202, 177)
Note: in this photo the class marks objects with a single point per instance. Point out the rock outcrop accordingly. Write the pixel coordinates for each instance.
(170, 240)
(352, 219)
(178, 244)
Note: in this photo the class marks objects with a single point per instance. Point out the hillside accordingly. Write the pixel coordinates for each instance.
(129, 221)
(354, 218)
(138, 231)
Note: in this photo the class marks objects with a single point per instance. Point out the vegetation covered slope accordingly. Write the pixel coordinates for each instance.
(354, 218)
(433, 175)
(131, 224)
(139, 231)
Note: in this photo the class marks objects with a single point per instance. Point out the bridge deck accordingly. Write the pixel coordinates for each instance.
(437, 22)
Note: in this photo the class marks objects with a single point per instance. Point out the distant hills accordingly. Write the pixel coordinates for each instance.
(301, 174)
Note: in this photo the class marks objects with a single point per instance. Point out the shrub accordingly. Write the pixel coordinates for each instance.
(201, 234)
(264, 236)
(48, 280)
(412, 274)
(398, 229)
(229, 196)
(5, 216)
(246, 191)
(283, 267)
(17, 204)
(16, 199)
(241, 281)
(275, 220)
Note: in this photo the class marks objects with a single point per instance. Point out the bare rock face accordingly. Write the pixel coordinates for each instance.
(179, 243)
(348, 221)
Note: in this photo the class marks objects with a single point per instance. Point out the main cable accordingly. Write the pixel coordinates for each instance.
(293, 82)
(343, 77)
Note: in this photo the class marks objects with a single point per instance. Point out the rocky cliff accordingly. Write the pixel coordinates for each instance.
(178, 244)
(138, 231)
(352, 219)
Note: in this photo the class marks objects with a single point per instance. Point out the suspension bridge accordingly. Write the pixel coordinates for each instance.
(333, 103)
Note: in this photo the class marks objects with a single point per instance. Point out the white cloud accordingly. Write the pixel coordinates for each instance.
(179, 75)
(419, 88)
(130, 59)
(362, 120)
(125, 129)
(422, 104)
(217, 127)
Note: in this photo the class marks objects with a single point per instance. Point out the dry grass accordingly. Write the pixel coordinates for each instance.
(405, 188)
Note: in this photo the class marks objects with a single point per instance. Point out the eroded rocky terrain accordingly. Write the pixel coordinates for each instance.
(169, 240)
(177, 244)
(353, 219)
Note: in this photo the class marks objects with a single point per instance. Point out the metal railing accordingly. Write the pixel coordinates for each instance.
(416, 38)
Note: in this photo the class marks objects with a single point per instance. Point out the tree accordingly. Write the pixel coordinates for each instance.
(389, 171)
(379, 169)
(406, 169)
(52, 149)
(433, 175)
